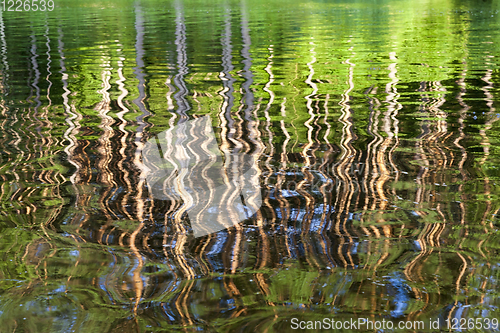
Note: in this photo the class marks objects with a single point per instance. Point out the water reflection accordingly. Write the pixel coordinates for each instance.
(377, 162)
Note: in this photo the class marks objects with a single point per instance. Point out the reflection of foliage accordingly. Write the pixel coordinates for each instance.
(127, 225)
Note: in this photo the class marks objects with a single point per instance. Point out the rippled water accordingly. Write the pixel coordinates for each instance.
(375, 127)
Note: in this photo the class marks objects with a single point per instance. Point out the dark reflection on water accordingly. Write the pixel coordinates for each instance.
(375, 128)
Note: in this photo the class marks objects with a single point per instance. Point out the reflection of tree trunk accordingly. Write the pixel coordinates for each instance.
(36, 72)
(182, 108)
(180, 41)
(138, 71)
(139, 101)
(383, 157)
(252, 138)
(347, 188)
(180, 237)
(307, 153)
(49, 73)
(104, 148)
(489, 98)
(73, 117)
(226, 122)
(247, 61)
(3, 53)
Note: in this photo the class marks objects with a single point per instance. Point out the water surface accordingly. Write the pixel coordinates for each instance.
(376, 129)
